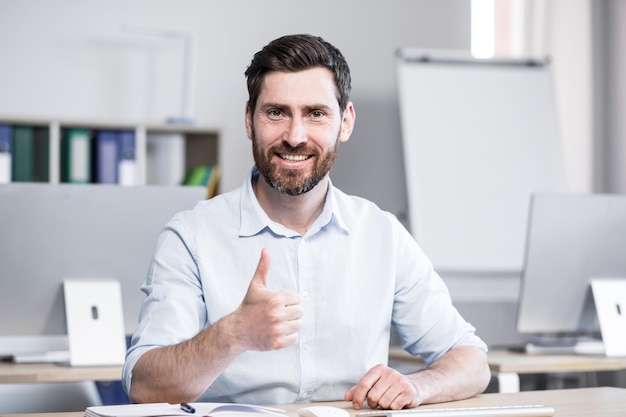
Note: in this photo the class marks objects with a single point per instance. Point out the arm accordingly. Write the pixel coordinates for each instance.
(461, 373)
(265, 320)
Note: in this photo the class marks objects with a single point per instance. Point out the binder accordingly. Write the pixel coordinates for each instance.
(198, 176)
(205, 176)
(165, 158)
(105, 156)
(5, 153)
(127, 163)
(213, 182)
(76, 156)
(23, 154)
(114, 157)
(41, 154)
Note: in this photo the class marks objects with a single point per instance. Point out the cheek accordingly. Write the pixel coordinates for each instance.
(266, 131)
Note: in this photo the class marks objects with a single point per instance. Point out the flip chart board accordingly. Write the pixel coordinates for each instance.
(479, 137)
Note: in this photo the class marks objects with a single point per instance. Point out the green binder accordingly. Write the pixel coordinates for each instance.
(23, 154)
(76, 156)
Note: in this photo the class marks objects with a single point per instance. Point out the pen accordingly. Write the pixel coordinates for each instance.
(187, 408)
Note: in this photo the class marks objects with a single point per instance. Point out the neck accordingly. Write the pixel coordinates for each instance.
(296, 212)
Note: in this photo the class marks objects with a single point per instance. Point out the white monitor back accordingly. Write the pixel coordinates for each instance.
(572, 239)
(55, 231)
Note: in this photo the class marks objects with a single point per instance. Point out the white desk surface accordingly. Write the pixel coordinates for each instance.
(15, 373)
(523, 363)
(499, 362)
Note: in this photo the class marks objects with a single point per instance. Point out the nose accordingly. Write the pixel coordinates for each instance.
(296, 133)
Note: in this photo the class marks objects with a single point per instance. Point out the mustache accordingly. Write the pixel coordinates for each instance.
(301, 148)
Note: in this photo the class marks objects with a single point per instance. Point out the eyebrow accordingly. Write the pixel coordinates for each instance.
(307, 108)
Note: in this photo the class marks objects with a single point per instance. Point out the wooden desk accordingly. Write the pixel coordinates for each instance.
(507, 366)
(581, 402)
(523, 363)
(12, 373)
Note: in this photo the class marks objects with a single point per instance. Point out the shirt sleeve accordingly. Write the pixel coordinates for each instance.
(424, 316)
(173, 310)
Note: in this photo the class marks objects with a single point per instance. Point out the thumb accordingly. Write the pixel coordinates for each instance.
(260, 275)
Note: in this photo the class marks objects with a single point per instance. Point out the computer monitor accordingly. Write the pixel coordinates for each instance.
(571, 239)
(50, 232)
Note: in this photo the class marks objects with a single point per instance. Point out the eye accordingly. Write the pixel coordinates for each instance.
(274, 113)
(317, 114)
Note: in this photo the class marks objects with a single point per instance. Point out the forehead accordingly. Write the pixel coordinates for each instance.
(314, 85)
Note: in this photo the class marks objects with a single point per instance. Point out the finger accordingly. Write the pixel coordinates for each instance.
(292, 325)
(400, 395)
(381, 393)
(361, 390)
(392, 391)
(260, 275)
(289, 299)
(349, 394)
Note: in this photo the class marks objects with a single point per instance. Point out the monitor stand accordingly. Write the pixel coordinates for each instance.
(34, 349)
(606, 303)
(610, 301)
(568, 345)
(51, 356)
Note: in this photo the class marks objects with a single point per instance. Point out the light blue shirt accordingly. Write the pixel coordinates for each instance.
(357, 270)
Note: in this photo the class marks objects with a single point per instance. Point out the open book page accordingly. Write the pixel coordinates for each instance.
(166, 409)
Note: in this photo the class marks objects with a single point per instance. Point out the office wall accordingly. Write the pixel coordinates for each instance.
(71, 58)
(568, 41)
(616, 88)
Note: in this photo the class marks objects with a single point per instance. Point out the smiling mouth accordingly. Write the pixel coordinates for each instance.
(293, 158)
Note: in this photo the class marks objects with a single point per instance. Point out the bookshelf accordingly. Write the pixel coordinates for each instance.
(162, 154)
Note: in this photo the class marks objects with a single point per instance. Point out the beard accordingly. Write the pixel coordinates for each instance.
(292, 181)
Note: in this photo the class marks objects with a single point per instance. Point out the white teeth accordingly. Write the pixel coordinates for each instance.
(294, 158)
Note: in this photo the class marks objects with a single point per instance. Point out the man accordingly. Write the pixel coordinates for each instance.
(285, 290)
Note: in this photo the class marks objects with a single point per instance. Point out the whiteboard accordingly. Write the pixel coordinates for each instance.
(479, 137)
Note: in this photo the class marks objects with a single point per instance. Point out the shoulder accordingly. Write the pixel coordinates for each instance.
(355, 208)
(219, 208)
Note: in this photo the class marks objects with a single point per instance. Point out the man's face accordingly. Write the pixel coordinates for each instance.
(296, 129)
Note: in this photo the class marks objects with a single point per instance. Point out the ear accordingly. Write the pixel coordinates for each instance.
(248, 116)
(347, 122)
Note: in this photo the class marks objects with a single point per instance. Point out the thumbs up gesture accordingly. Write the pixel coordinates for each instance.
(271, 319)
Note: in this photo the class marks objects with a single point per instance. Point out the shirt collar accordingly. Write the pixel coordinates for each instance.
(254, 219)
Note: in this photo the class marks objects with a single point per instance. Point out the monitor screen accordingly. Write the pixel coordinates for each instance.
(50, 232)
(571, 239)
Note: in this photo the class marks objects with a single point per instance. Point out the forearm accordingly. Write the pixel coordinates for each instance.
(182, 372)
(265, 320)
(461, 373)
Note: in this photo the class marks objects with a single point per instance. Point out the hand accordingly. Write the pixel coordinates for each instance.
(385, 388)
(269, 320)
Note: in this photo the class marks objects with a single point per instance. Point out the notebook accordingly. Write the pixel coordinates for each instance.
(95, 322)
(165, 409)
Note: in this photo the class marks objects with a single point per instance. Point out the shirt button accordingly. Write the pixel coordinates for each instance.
(305, 346)
(305, 293)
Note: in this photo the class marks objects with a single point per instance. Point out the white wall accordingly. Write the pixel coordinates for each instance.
(70, 59)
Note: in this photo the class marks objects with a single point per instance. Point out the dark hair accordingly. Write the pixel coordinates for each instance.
(296, 53)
